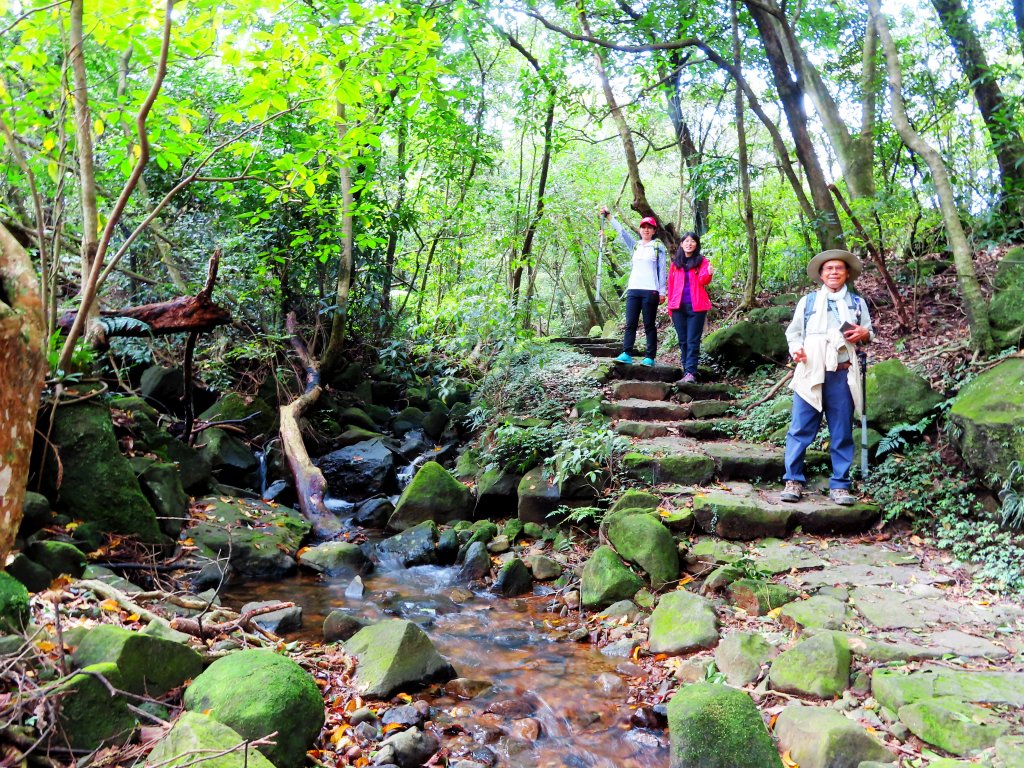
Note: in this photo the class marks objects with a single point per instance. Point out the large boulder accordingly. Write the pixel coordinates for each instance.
(147, 665)
(89, 715)
(739, 657)
(262, 539)
(254, 414)
(953, 725)
(897, 395)
(606, 580)
(258, 692)
(434, 495)
(820, 737)
(643, 540)
(683, 622)
(715, 726)
(336, 558)
(161, 483)
(746, 345)
(232, 461)
(989, 414)
(818, 667)
(97, 483)
(14, 611)
(395, 655)
(1006, 310)
(359, 470)
(197, 737)
(497, 494)
(413, 546)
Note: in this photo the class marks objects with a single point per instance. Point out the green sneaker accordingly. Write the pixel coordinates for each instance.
(649, 362)
(624, 358)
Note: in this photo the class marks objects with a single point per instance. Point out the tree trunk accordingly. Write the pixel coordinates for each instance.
(331, 358)
(1018, 17)
(970, 289)
(23, 362)
(753, 262)
(998, 113)
(791, 92)
(184, 314)
(395, 223)
(83, 146)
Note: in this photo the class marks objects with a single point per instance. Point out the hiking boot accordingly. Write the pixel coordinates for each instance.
(842, 497)
(689, 379)
(649, 362)
(624, 358)
(793, 491)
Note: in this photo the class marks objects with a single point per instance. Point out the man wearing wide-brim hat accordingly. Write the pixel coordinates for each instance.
(826, 328)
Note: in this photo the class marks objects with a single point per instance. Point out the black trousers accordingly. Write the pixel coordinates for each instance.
(637, 303)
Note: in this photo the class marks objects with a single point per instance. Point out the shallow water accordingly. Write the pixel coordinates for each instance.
(516, 645)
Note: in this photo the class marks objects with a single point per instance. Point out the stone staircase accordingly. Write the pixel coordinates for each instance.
(683, 442)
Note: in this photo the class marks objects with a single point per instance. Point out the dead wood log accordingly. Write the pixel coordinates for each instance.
(205, 630)
(310, 485)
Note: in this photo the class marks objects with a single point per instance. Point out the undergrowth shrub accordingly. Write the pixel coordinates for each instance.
(923, 488)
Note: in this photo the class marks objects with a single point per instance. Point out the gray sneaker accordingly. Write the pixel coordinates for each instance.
(842, 497)
(793, 491)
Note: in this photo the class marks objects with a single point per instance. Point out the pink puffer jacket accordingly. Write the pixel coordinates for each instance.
(698, 293)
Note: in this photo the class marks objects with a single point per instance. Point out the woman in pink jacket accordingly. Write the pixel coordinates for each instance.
(688, 301)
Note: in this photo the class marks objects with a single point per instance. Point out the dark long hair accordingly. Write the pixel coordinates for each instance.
(681, 260)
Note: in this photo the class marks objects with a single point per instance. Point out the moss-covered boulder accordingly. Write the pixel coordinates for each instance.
(35, 577)
(434, 495)
(818, 667)
(97, 482)
(335, 558)
(1006, 310)
(35, 513)
(953, 725)
(89, 715)
(161, 483)
(739, 657)
(141, 419)
(682, 622)
(261, 539)
(232, 461)
(757, 596)
(643, 540)
(684, 468)
(58, 557)
(817, 612)
(514, 578)
(634, 499)
(497, 494)
(820, 737)
(147, 665)
(715, 726)
(13, 604)
(989, 414)
(406, 420)
(897, 395)
(413, 546)
(358, 418)
(254, 414)
(606, 580)
(257, 692)
(746, 344)
(197, 737)
(395, 655)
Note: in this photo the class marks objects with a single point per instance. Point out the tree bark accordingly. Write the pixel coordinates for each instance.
(791, 91)
(395, 221)
(184, 314)
(1018, 17)
(974, 301)
(998, 113)
(22, 372)
(331, 358)
(753, 261)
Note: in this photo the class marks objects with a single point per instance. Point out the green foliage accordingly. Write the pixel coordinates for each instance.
(585, 517)
(901, 436)
(588, 448)
(936, 497)
(1012, 499)
(83, 359)
(762, 420)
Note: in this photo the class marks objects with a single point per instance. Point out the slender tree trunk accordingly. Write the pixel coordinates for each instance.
(395, 223)
(83, 144)
(998, 113)
(970, 289)
(791, 92)
(753, 262)
(331, 358)
(1018, 17)
(23, 366)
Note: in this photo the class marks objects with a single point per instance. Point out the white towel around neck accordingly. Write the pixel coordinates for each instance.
(822, 345)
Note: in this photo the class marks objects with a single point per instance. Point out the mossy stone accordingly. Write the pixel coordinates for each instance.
(634, 499)
(715, 726)
(58, 557)
(643, 540)
(746, 345)
(897, 395)
(757, 597)
(256, 692)
(683, 622)
(255, 415)
(606, 580)
(196, 737)
(990, 415)
(89, 715)
(394, 655)
(818, 667)
(147, 664)
(953, 725)
(14, 611)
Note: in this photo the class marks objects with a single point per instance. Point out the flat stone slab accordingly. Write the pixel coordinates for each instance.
(708, 429)
(745, 461)
(656, 372)
(644, 429)
(963, 644)
(707, 391)
(896, 690)
(705, 409)
(868, 575)
(780, 556)
(600, 350)
(636, 409)
(641, 390)
(867, 554)
(920, 605)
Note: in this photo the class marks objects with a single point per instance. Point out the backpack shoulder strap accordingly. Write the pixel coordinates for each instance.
(809, 307)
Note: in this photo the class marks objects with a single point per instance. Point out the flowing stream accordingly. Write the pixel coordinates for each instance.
(578, 696)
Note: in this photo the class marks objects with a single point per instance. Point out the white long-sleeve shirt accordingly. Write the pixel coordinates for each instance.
(649, 271)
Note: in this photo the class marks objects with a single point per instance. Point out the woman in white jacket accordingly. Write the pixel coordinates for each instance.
(646, 288)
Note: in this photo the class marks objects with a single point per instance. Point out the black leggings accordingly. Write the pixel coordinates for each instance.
(638, 301)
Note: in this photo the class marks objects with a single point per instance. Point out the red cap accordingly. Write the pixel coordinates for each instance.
(649, 220)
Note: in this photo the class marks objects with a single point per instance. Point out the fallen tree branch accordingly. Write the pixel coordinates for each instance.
(113, 593)
(206, 630)
(775, 388)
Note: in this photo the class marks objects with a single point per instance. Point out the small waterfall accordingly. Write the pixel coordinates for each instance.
(261, 457)
(404, 476)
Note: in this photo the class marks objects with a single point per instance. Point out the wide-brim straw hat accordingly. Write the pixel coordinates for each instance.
(852, 263)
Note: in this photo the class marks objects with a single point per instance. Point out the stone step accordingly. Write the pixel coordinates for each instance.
(600, 350)
(705, 409)
(578, 340)
(729, 460)
(637, 372)
(644, 428)
(739, 511)
(704, 429)
(707, 390)
(641, 390)
(635, 409)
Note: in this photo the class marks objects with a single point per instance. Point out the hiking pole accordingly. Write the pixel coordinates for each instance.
(862, 358)
(600, 254)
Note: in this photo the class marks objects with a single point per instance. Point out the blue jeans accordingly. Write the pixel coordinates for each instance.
(838, 412)
(638, 301)
(689, 328)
